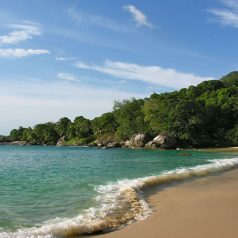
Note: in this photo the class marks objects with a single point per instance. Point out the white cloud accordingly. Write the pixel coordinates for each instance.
(85, 19)
(66, 76)
(227, 16)
(19, 53)
(138, 16)
(33, 101)
(22, 32)
(230, 3)
(150, 74)
(64, 58)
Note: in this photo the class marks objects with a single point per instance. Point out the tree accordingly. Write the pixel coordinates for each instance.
(106, 123)
(45, 134)
(63, 126)
(27, 135)
(130, 118)
(81, 127)
(16, 134)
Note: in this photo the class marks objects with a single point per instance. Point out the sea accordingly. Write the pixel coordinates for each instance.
(48, 191)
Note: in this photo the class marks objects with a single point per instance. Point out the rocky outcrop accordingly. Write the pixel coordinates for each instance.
(19, 143)
(137, 141)
(162, 141)
(150, 145)
(15, 143)
(108, 145)
(101, 144)
(61, 141)
(127, 143)
(113, 145)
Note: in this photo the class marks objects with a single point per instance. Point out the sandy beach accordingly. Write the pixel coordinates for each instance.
(201, 208)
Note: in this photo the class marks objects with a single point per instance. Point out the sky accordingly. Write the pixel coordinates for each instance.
(76, 57)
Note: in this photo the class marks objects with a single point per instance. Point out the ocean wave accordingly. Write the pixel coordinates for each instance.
(121, 203)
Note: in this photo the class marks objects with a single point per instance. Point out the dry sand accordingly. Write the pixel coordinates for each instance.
(202, 208)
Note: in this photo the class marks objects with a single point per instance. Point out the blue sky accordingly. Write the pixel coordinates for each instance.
(75, 57)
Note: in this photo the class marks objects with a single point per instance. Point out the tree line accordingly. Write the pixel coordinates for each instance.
(200, 116)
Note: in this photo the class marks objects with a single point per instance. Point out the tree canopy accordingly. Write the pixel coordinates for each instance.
(199, 116)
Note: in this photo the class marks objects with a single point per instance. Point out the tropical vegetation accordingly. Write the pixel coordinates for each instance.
(205, 115)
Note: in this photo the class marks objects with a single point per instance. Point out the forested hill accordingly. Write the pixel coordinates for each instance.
(205, 115)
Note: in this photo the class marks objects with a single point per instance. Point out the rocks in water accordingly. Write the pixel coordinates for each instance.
(61, 141)
(162, 141)
(18, 143)
(142, 140)
(100, 145)
(138, 140)
(113, 145)
(108, 145)
(150, 145)
(127, 143)
(165, 141)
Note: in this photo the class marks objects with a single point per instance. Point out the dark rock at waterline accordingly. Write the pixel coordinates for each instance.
(101, 144)
(113, 145)
(19, 143)
(108, 145)
(162, 141)
(22, 143)
(165, 141)
(150, 145)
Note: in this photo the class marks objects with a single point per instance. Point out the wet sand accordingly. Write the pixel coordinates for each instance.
(200, 208)
(225, 149)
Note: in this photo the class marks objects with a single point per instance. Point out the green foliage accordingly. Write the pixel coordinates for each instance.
(232, 136)
(209, 86)
(79, 141)
(4, 138)
(16, 134)
(45, 134)
(27, 135)
(62, 126)
(201, 116)
(81, 128)
(231, 79)
(130, 118)
(106, 123)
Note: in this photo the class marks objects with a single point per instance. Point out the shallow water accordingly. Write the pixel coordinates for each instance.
(63, 191)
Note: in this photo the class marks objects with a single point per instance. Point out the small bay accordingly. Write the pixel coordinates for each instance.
(41, 183)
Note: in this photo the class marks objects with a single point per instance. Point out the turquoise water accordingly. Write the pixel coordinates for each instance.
(39, 184)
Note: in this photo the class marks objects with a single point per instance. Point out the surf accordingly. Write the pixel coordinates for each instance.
(121, 203)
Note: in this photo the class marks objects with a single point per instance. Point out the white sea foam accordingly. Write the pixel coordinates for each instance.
(120, 203)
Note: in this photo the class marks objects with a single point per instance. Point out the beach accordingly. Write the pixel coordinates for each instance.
(200, 208)
(151, 193)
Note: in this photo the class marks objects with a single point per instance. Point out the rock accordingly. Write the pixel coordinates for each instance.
(138, 140)
(99, 145)
(122, 144)
(165, 141)
(113, 145)
(127, 143)
(150, 145)
(18, 143)
(61, 141)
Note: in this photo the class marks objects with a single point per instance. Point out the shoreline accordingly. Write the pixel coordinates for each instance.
(198, 207)
(231, 149)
